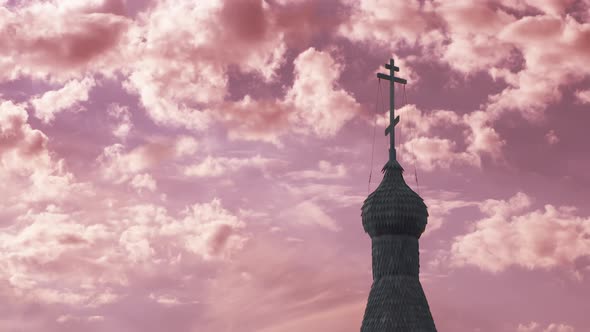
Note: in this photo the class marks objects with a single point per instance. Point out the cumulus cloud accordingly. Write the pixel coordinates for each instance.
(325, 170)
(389, 23)
(440, 205)
(512, 234)
(536, 327)
(36, 253)
(533, 88)
(322, 193)
(553, 7)
(143, 181)
(207, 230)
(57, 101)
(217, 166)
(119, 164)
(123, 116)
(176, 83)
(19, 142)
(432, 152)
(27, 168)
(583, 96)
(67, 257)
(426, 141)
(185, 146)
(551, 137)
(255, 120)
(472, 29)
(310, 213)
(484, 37)
(322, 106)
(314, 105)
(482, 137)
(58, 40)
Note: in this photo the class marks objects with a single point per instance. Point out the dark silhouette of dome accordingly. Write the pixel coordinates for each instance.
(394, 208)
(395, 216)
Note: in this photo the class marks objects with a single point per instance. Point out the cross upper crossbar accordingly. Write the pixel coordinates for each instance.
(395, 79)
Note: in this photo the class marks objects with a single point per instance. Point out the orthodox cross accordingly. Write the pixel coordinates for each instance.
(393, 120)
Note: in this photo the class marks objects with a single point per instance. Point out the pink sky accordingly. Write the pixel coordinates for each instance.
(177, 165)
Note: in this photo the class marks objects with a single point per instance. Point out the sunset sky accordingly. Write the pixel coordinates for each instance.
(199, 166)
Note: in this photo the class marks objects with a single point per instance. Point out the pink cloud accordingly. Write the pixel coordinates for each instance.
(119, 165)
(301, 21)
(255, 120)
(94, 260)
(222, 166)
(583, 96)
(390, 23)
(472, 31)
(528, 93)
(292, 289)
(551, 137)
(433, 152)
(208, 230)
(28, 169)
(536, 327)
(18, 140)
(553, 7)
(322, 106)
(123, 115)
(57, 101)
(440, 206)
(57, 40)
(143, 181)
(333, 194)
(313, 105)
(423, 144)
(326, 170)
(513, 235)
(310, 213)
(170, 85)
(483, 138)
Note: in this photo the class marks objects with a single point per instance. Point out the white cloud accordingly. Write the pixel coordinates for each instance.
(217, 166)
(583, 96)
(322, 107)
(143, 181)
(68, 97)
(551, 137)
(513, 235)
(433, 152)
(389, 23)
(533, 88)
(176, 91)
(123, 115)
(27, 168)
(325, 170)
(536, 327)
(311, 214)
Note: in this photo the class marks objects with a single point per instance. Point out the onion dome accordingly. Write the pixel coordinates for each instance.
(394, 208)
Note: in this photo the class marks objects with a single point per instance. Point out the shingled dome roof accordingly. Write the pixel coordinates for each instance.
(394, 208)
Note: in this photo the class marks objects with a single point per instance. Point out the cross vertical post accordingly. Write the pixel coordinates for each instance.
(393, 120)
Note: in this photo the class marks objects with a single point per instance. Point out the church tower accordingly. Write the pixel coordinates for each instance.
(395, 216)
